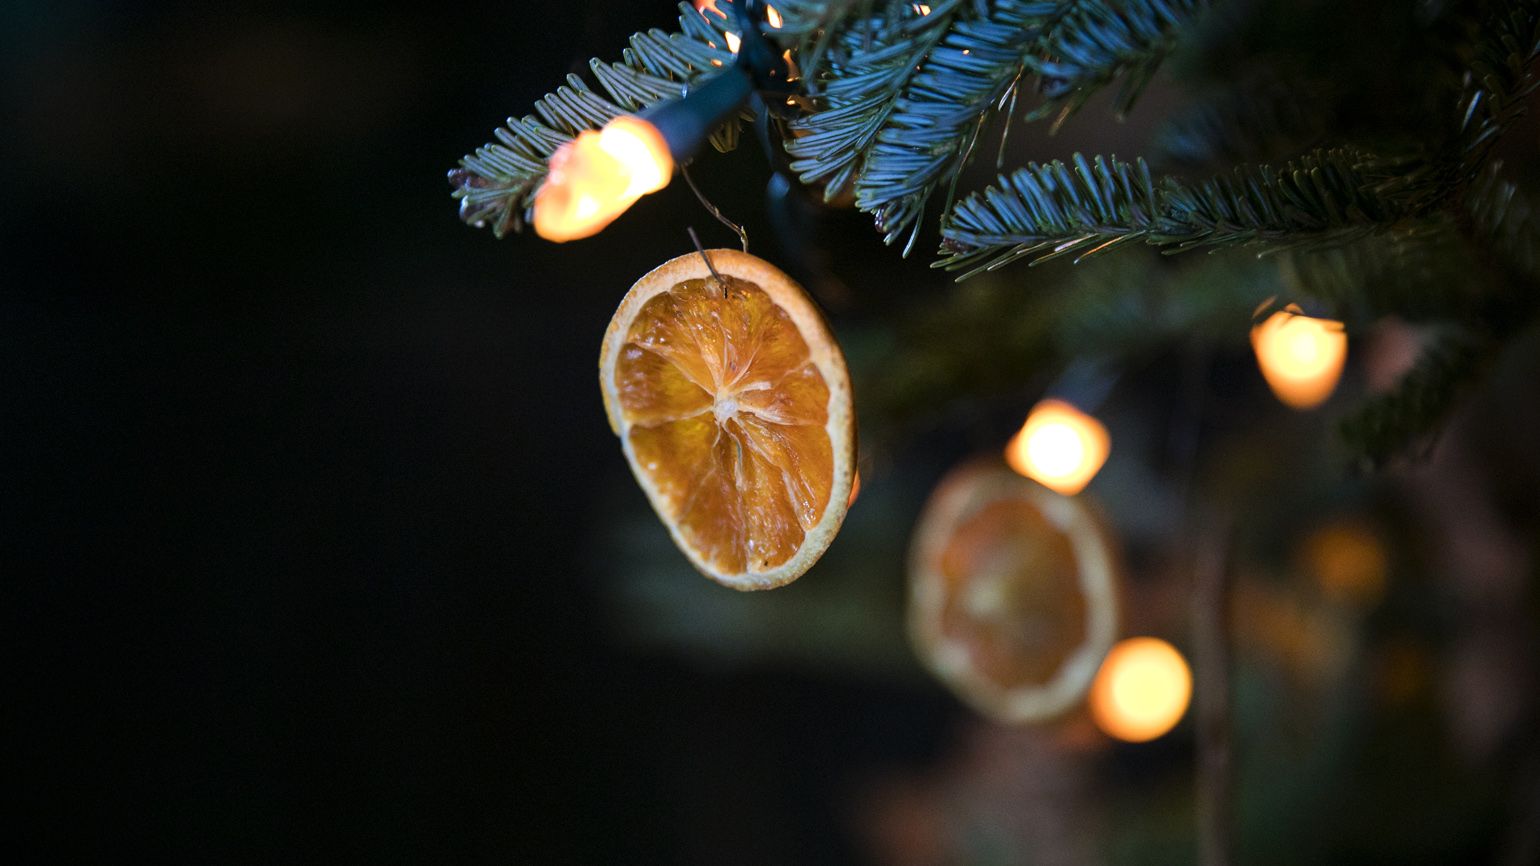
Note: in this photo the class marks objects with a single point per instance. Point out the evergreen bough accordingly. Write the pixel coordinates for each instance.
(895, 99)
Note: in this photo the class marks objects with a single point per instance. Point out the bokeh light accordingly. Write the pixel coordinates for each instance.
(1141, 691)
(1349, 562)
(1059, 446)
(1301, 357)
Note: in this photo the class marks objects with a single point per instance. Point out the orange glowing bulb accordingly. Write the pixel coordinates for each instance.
(595, 177)
(772, 15)
(1059, 447)
(1301, 357)
(1141, 691)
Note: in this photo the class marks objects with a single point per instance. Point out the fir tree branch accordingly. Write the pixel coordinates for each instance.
(803, 19)
(1494, 297)
(1096, 41)
(1412, 412)
(864, 83)
(1425, 276)
(1499, 75)
(496, 185)
(905, 93)
(1503, 219)
(931, 131)
(1480, 270)
(987, 340)
(812, 26)
(1042, 212)
(904, 99)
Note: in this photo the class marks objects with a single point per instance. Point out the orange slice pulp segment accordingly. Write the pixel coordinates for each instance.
(733, 405)
(1013, 598)
(1013, 593)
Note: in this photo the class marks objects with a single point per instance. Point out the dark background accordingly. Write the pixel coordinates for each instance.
(299, 469)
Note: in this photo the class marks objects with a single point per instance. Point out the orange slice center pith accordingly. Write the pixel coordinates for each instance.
(726, 415)
(1014, 601)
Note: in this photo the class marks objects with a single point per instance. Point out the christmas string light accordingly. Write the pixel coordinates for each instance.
(1300, 357)
(1141, 691)
(1059, 447)
(597, 176)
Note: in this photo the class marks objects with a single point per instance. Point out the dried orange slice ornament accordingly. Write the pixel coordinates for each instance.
(1012, 593)
(732, 403)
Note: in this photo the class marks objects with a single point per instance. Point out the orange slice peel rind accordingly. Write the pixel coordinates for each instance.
(1013, 599)
(732, 403)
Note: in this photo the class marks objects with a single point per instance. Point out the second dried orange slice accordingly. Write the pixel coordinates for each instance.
(1012, 593)
(732, 403)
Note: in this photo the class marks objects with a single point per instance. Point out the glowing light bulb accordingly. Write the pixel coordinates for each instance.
(1141, 691)
(595, 177)
(772, 16)
(1301, 357)
(1059, 447)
